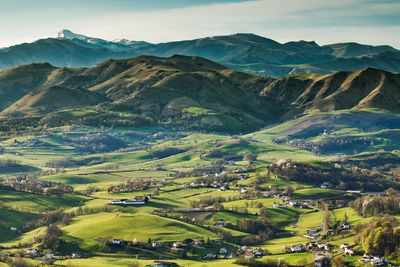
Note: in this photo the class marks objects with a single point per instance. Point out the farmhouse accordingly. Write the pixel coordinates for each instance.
(326, 185)
(258, 253)
(297, 248)
(244, 176)
(33, 253)
(210, 256)
(117, 242)
(76, 255)
(163, 264)
(349, 251)
(220, 222)
(223, 251)
(374, 260)
(353, 192)
(346, 226)
(312, 233)
(277, 205)
(137, 200)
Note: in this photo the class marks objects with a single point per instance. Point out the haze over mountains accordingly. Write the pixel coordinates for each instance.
(183, 91)
(243, 52)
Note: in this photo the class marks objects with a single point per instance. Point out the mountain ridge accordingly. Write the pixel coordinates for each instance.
(242, 51)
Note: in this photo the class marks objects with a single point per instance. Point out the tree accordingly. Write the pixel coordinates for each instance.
(345, 218)
(338, 261)
(18, 262)
(183, 254)
(251, 240)
(259, 205)
(288, 191)
(218, 206)
(250, 157)
(381, 236)
(326, 218)
(51, 238)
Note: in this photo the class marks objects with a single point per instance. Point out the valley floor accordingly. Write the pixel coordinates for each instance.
(212, 199)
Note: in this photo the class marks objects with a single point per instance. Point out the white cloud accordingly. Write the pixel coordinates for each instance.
(283, 20)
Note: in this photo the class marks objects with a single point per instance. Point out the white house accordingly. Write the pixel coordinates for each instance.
(223, 251)
(349, 251)
(297, 248)
(346, 226)
(117, 242)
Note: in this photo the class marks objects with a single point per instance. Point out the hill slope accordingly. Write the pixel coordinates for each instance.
(187, 91)
(191, 92)
(342, 90)
(55, 98)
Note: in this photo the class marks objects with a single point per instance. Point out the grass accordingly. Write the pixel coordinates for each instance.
(26, 239)
(130, 227)
(124, 261)
(10, 218)
(281, 216)
(39, 203)
(138, 222)
(199, 111)
(297, 259)
(318, 193)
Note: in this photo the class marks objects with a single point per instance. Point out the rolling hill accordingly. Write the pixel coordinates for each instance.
(342, 90)
(55, 98)
(245, 52)
(179, 90)
(190, 92)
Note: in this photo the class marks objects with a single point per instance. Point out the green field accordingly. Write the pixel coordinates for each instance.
(10, 218)
(172, 195)
(138, 227)
(39, 203)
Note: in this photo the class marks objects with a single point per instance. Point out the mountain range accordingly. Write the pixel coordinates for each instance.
(243, 52)
(184, 91)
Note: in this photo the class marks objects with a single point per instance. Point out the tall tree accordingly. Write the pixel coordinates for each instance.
(326, 218)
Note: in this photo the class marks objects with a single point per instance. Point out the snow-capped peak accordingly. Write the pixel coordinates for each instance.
(67, 34)
(123, 41)
(117, 45)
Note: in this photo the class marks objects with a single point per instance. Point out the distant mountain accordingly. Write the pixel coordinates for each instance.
(357, 50)
(190, 92)
(117, 45)
(58, 52)
(244, 52)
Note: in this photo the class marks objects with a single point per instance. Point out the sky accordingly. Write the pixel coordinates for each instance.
(324, 21)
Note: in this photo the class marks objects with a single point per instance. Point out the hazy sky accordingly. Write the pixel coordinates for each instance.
(325, 21)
